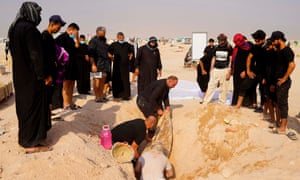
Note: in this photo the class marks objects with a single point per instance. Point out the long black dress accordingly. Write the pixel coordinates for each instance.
(120, 74)
(28, 73)
(84, 68)
(148, 62)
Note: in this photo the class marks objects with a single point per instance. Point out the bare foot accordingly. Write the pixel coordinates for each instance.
(39, 148)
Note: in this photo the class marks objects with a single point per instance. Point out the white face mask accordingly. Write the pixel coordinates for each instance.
(121, 42)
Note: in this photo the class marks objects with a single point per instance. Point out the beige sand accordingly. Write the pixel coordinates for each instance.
(204, 146)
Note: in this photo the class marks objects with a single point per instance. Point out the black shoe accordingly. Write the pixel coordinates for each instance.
(259, 110)
(101, 100)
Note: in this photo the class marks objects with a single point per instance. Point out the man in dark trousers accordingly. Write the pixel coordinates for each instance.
(255, 68)
(148, 64)
(151, 100)
(121, 53)
(284, 67)
(30, 78)
(133, 132)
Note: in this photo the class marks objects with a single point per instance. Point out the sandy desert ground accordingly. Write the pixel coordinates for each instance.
(204, 147)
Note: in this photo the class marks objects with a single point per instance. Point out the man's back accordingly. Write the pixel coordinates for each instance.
(134, 130)
(153, 165)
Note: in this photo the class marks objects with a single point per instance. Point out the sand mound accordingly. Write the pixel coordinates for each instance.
(242, 146)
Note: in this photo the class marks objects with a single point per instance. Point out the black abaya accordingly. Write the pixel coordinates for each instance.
(28, 74)
(84, 68)
(120, 74)
(148, 62)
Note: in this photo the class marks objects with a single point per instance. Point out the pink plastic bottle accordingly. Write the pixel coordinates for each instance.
(106, 137)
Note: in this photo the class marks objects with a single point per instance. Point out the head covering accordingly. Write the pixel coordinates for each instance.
(57, 19)
(239, 39)
(259, 34)
(240, 43)
(153, 38)
(29, 11)
(277, 35)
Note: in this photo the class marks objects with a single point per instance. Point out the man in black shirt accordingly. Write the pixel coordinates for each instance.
(69, 40)
(220, 70)
(151, 98)
(133, 132)
(255, 68)
(49, 46)
(285, 65)
(98, 52)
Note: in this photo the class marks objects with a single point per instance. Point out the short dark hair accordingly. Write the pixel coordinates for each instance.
(120, 34)
(82, 36)
(74, 26)
(211, 40)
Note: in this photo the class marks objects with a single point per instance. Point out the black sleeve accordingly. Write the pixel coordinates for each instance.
(35, 48)
(155, 95)
(138, 57)
(111, 49)
(289, 54)
(92, 48)
(159, 65)
(166, 100)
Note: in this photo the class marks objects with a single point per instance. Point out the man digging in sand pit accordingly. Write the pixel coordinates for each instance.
(30, 78)
(133, 132)
(154, 164)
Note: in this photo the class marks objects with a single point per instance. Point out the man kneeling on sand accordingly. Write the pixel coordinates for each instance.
(133, 132)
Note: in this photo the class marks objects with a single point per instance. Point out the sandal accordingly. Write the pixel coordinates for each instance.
(38, 148)
(292, 136)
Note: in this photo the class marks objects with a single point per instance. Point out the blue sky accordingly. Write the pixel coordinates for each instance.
(167, 18)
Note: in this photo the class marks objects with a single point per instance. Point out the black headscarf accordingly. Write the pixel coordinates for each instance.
(29, 11)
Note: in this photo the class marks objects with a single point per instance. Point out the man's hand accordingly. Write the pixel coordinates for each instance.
(228, 75)
(94, 68)
(251, 75)
(48, 81)
(137, 71)
(243, 75)
(160, 112)
(159, 73)
(168, 109)
(281, 81)
(204, 72)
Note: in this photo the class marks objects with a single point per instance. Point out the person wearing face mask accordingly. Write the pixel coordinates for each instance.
(69, 40)
(220, 70)
(100, 63)
(49, 46)
(84, 67)
(148, 64)
(121, 53)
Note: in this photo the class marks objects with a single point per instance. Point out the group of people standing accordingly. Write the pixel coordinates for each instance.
(45, 70)
(267, 64)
